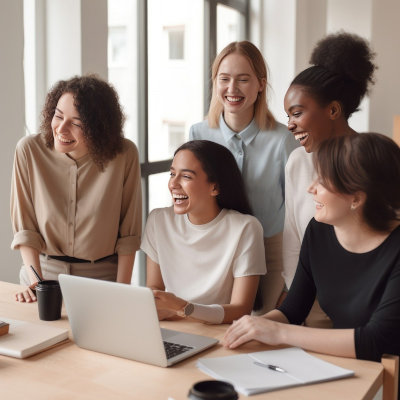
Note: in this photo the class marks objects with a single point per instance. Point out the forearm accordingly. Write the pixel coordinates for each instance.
(337, 342)
(125, 267)
(30, 256)
(235, 311)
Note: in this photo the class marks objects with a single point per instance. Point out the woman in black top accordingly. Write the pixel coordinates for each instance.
(349, 260)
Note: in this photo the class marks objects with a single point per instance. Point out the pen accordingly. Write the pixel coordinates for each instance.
(270, 366)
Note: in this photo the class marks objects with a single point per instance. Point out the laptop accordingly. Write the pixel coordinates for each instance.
(121, 320)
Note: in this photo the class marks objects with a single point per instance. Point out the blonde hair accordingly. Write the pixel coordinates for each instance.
(262, 115)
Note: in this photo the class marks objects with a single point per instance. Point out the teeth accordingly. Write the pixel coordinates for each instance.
(233, 99)
(179, 196)
(318, 204)
(63, 140)
(301, 136)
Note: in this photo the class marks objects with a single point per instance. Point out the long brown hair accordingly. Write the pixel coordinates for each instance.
(262, 115)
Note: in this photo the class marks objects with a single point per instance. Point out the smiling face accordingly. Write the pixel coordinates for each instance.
(309, 122)
(331, 207)
(191, 191)
(237, 87)
(67, 128)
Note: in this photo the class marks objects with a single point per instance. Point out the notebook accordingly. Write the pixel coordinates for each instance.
(121, 320)
(265, 371)
(27, 338)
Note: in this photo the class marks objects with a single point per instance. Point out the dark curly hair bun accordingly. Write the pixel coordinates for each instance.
(342, 71)
(347, 54)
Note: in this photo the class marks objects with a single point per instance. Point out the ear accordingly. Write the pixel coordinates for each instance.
(263, 83)
(358, 200)
(215, 190)
(335, 110)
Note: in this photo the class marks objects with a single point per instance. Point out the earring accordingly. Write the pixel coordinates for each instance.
(353, 207)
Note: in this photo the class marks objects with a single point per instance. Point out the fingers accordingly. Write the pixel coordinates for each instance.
(238, 333)
(26, 296)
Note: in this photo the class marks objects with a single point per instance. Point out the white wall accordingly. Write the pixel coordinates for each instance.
(385, 99)
(12, 122)
(287, 31)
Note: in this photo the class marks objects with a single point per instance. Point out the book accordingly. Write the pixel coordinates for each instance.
(27, 338)
(265, 371)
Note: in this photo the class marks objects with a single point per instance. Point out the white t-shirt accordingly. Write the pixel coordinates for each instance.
(199, 262)
(299, 208)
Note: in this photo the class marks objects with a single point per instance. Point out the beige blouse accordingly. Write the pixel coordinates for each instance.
(62, 206)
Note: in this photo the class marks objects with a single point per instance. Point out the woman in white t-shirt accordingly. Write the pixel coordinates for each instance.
(205, 253)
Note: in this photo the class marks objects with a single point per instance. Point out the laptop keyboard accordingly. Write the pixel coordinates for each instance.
(174, 349)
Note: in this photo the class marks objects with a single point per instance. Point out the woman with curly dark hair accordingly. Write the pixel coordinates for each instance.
(76, 194)
(319, 103)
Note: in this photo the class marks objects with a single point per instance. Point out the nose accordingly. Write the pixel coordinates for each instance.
(291, 125)
(62, 126)
(173, 182)
(312, 189)
(232, 86)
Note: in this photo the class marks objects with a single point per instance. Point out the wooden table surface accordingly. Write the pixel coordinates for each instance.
(69, 372)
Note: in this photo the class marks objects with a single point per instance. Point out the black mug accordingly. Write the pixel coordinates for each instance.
(49, 300)
(212, 390)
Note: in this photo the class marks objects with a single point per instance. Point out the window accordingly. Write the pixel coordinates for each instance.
(160, 54)
(176, 38)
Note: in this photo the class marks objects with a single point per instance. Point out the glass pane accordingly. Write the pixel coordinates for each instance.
(159, 195)
(175, 51)
(122, 60)
(230, 26)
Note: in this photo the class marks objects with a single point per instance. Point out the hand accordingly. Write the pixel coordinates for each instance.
(168, 301)
(166, 314)
(27, 295)
(253, 328)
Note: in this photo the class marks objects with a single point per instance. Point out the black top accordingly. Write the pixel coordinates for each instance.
(360, 291)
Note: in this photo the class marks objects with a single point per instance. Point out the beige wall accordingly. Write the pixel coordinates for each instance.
(12, 122)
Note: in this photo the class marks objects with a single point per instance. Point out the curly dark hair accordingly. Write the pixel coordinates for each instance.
(221, 168)
(100, 113)
(368, 163)
(342, 70)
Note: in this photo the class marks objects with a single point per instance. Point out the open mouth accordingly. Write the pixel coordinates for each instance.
(301, 137)
(318, 205)
(179, 198)
(62, 139)
(234, 99)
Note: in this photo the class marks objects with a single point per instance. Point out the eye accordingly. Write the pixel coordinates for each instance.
(187, 176)
(77, 125)
(243, 80)
(58, 116)
(297, 114)
(171, 174)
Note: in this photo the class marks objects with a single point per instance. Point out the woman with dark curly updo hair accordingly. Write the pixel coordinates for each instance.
(76, 194)
(319, 103)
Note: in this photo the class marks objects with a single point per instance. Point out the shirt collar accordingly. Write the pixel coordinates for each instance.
(247, 134)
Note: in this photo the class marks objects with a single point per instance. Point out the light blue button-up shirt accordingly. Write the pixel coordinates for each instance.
(261, 157)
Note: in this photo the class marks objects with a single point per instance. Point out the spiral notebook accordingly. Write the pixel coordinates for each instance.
(27, 338)
(265, 371)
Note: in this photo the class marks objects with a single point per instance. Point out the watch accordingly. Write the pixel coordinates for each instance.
(187, 310)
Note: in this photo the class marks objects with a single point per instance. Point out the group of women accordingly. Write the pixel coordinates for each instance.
(236, 186)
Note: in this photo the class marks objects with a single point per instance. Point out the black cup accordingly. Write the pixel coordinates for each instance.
(49, 299)
(212, 390)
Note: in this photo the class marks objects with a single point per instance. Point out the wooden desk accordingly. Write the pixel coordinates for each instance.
(69, 372)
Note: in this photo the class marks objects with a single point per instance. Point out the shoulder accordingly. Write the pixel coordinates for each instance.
(32, 144)
(299, 157)
(128, 147)
(201, 130)
(281, 136)
(244, 221)
(161, 214)
(317, 230)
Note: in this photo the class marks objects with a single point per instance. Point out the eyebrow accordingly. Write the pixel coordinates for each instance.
(184, 170)
(294, 106)
(57, 109)
(225, 73)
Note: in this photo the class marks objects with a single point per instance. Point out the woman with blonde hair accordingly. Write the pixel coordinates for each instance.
(240, 120)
